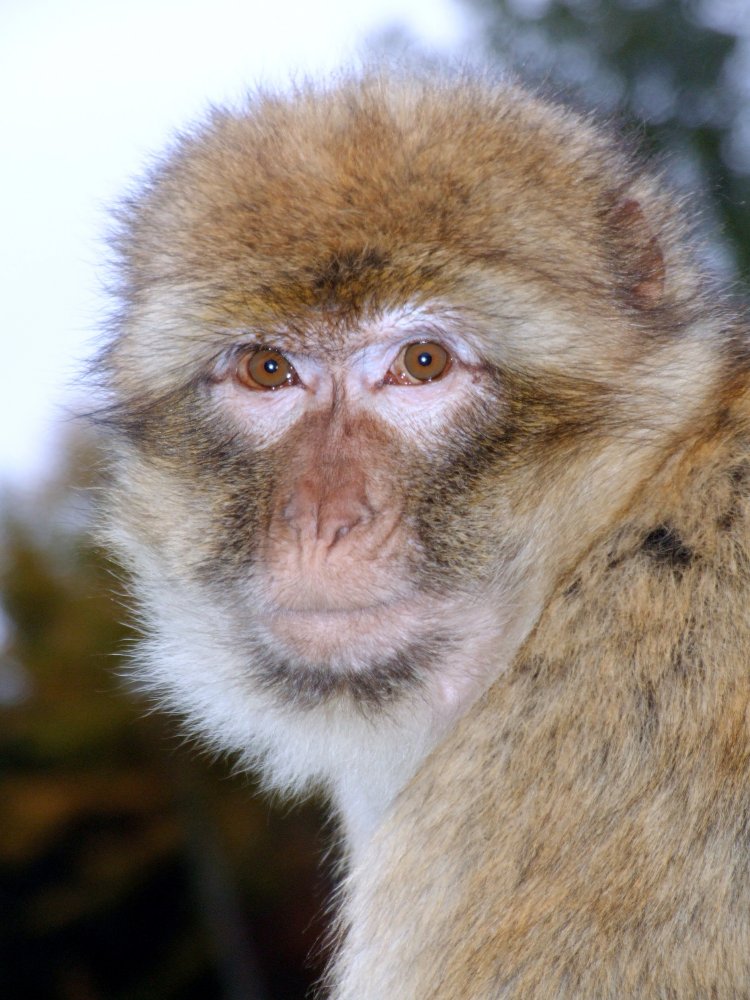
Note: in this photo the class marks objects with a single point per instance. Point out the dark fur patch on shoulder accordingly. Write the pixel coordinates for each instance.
(738, 477)
(665, 547)
(647, 712)
(535, 666)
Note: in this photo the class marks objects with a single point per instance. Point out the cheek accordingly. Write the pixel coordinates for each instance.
(233, 491)
(461, 516)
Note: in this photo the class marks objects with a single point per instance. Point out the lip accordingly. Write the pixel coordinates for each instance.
(365, 618)
(337, 635)
(332, 613)
(397, 603)
(342, 627)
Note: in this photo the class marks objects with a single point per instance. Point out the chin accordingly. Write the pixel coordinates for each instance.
(368, 656)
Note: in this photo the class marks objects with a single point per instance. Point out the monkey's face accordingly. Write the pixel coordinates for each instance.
(331, 505)
(385, 366)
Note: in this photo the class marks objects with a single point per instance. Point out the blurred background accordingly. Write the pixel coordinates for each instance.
(131, 866)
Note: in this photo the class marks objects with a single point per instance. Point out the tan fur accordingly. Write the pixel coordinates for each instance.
(598, 846)
(557, 806)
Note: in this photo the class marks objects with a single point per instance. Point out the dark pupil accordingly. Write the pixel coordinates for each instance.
(271, 366)
(424, 359)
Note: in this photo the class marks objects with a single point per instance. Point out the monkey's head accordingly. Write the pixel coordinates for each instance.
(390, 355)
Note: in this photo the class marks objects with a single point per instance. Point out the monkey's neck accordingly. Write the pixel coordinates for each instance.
(386, 752)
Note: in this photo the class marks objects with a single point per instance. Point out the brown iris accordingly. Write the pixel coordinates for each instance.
(265, 368)
(422, 361)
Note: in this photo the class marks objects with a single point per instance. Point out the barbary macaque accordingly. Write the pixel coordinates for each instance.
(429, 435)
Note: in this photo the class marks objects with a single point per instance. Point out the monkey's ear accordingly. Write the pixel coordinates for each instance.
(642, 263)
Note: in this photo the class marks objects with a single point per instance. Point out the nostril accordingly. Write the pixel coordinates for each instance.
(339, 519)
(335, 527)
(326, 515)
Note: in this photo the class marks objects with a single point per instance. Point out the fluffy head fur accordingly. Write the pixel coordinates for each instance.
(517, 596)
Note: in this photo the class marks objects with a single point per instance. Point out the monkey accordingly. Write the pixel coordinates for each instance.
(427, 426)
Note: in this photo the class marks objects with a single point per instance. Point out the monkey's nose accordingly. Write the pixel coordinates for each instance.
(326, 519)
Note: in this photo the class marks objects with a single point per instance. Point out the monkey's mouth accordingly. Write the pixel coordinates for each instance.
(376, 653)
(351, 636)
(370, 655)
(335, 614)
(362, 618)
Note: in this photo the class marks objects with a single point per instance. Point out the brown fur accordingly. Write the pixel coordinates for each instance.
(582, 830)
(601, 844)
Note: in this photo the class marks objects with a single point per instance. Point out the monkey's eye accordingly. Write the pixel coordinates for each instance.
(265, 368)
(423, 361)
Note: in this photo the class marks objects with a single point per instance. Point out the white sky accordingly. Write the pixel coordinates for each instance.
(88, 90)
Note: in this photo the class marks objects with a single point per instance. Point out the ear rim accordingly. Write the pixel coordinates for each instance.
(642, 263)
